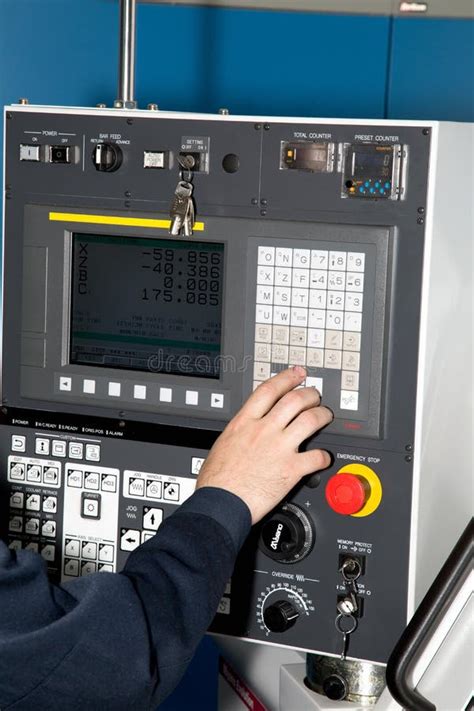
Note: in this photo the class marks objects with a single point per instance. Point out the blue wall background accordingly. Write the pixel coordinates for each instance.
(64, 52)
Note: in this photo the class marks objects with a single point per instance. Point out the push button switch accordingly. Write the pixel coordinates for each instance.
(90, 505)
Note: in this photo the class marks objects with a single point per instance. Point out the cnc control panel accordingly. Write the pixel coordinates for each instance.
(126, 349)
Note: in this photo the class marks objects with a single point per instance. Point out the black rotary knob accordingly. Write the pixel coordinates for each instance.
(288, 535)
(280, 616)
(107, 157)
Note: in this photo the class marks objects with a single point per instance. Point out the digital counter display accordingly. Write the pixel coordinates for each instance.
(150, 305)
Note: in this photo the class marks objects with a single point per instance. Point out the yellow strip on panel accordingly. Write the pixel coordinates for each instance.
(116, 220)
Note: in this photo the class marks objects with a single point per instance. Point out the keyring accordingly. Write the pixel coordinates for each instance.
(339, 619)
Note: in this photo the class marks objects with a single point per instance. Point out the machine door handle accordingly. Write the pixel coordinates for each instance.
(425, 620)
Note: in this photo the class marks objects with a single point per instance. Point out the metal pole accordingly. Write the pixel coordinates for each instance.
(126, 85)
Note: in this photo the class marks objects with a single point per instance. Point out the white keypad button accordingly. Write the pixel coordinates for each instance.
(300, 297)
(263, 314)
(283, 276)
(50, 475)
(33, 502)
(18, 443)
(15, 524)
(65, 384)
(139, 392)
(89, 550)
(71, 567)
(154, 490)
(297, 356)
(48, 529)
(17, 472)
(15, 545)
(263, 333)
(352, 321)
(196, 464)
(316, 318)
(349, 400)
(42, 446)
(315, 338)
(93, 452)
(302, 258)
(91, 481)
(72, 548)
(88, 387)
(58, 448)
(76, 450)
(264, 294)
(332, 359)
(349, 380)
(32, 526)
(262, 351)
(315, 383)
(265, 276)
(353, 301)
(281, 315)
(152, 518)
(108, 482)
(335, 300)
(105, 568)
(33, 473)
(266, 255)
(166, 395)
(338, 261)
(217, 400)
(32, 546)
(279, 354)
(281, 334)
(335, 320)
(336, 281)
(318, 279)
(136, 487)
(298, 336)
(171, 491)
(50, 504)
(88, 568)
(284, 257)
(317, 299)
(333, 340)
(90, 508)
(48, 552)
(74, 478)
(261, 371)
(17, 500)
(355, 262)
(351, 341)
(319, 259)
(191, 397)
(350, 361)
(300, 278)
(106, 553)
(114, 389)
(299, 317)
(354, 281)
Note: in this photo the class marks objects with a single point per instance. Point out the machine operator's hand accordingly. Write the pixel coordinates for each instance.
(256, 457)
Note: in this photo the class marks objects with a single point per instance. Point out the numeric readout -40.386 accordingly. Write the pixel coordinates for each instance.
(182, 276)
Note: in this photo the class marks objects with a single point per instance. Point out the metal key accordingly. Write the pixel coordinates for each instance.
(182, 209)
(346, 624)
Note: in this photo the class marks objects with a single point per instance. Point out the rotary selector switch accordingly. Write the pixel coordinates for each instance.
(288, 535)
(107, 157)
(280, 606)
(280, 616)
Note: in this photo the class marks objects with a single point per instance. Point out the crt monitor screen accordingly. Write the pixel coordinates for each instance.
(144, 304)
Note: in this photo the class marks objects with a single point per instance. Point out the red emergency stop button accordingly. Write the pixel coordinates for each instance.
(346, 493)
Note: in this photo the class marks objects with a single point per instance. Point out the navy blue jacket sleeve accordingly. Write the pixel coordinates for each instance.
(122, 641)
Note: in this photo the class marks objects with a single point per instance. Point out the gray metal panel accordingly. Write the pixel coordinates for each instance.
(35, 261)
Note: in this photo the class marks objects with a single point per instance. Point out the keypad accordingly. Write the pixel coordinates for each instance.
(309, 312)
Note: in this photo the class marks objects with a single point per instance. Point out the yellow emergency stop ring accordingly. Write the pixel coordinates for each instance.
(375, 485)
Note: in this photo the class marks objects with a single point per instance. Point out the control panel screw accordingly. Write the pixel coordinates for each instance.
(408, 458)
(8, 196)
(258, 126)
(254, 201)
(9, 115)
(128, 194)
(23, 102)
(267, 127)
(409, 448)
(420, 221)
(263, 213)
(263, 202)
(130, 122)
(127, 203)
(101, 106)
(224, 112)
(152, 107)
(421, 210)
(5, 410)
(121, 423)
(426, 132)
